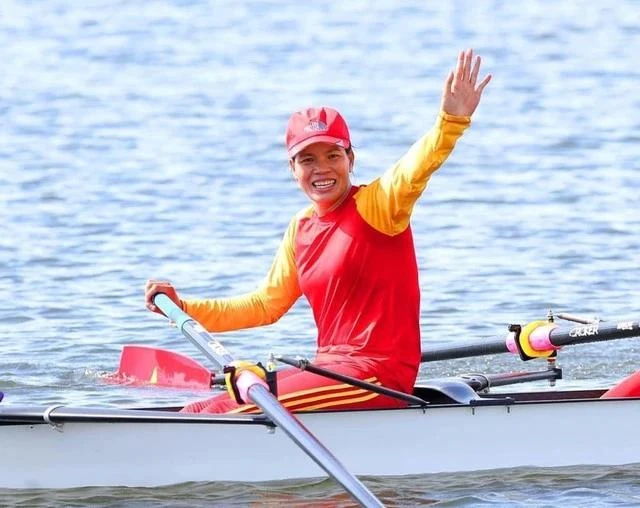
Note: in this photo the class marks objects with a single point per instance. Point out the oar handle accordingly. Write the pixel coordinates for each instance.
(170, 309)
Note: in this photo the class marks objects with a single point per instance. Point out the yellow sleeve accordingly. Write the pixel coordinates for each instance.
(386, 204)
(274, 296)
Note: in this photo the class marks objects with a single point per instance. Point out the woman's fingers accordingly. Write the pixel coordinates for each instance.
(467, 64)
(153, 287)
(483, 83)
(461, 95)
(474, 72)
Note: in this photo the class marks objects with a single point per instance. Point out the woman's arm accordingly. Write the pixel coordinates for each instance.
(269, 302)
(386, 204)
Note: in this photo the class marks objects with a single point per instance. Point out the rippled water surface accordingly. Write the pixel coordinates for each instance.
(145, 139)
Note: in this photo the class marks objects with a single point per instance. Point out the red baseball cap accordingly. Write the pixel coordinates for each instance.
(316, 125)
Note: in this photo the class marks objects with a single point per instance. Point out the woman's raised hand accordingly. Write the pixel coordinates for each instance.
(461, 93)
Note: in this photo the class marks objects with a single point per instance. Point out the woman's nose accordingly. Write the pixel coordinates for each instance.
(320, 168)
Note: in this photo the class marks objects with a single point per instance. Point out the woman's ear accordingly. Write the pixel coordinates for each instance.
(292, 167)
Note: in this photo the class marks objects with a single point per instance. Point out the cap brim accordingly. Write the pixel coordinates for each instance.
(296, 149)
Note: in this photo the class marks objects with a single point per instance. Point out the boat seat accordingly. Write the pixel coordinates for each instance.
(446, 391)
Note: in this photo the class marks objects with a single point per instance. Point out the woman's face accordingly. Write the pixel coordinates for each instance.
(322, 172)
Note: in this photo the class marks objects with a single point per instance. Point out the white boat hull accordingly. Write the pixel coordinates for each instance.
(85, 447)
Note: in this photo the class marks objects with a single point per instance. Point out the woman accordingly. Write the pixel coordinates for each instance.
(351, 254)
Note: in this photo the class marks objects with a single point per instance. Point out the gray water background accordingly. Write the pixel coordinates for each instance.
(145, 139)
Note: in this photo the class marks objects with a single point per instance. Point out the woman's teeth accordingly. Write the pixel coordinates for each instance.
(323, 184)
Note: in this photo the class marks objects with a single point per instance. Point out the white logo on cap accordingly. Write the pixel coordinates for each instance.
(315, 126)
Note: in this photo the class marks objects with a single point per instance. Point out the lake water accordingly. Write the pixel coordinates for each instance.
(145, 139)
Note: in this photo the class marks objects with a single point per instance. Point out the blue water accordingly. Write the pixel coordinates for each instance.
(145, 139)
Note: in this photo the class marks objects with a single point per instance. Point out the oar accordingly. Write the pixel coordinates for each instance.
(555, 338)
(253, 388)
(146, 365)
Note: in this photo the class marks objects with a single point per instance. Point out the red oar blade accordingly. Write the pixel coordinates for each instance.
(146, 365)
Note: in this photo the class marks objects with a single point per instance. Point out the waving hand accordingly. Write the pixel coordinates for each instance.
(461, 94)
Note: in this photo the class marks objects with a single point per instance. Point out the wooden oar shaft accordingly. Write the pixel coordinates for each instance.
(264, 399)
(584, 333)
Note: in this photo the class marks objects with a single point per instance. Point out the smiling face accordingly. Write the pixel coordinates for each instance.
(322, 172)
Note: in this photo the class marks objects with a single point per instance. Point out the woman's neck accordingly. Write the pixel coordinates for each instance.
(321, 211)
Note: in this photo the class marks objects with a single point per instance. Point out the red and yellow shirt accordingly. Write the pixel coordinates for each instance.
(355, 265)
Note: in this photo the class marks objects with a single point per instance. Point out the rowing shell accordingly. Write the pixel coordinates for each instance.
(64, 447)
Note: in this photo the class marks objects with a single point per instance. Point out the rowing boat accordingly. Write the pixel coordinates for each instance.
(450, 424)
(61, 447)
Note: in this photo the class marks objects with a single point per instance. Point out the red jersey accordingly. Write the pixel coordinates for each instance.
(356, 266)
(362, 285)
